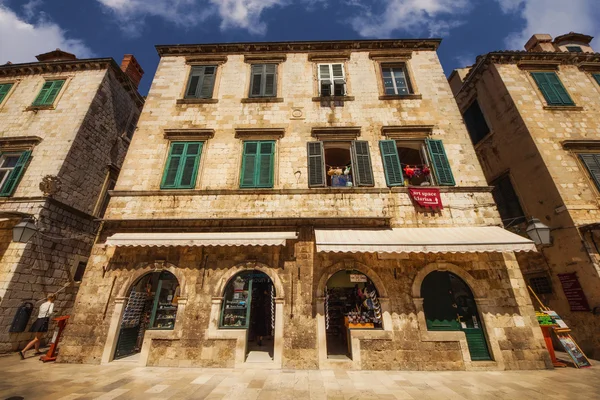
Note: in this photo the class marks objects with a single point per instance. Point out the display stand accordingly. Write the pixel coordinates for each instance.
(51, 354)
(546, 330)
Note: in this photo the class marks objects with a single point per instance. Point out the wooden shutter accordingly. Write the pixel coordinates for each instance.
(316, 165)
(596, 77)
(477, 344)
(440, 164)
(559, 89)
(339, 80)
(325, 80)
(552, 89)
(256, 83)
(4, 89)
(41, 97)
(361, 164)
(264, 178)
(172, 167)
(15, 175)
(53, 92)
(201, 82)
(270, 80)
(249, 158)
(592, 163)
(188, 169)
(391, 163)
(208, 82)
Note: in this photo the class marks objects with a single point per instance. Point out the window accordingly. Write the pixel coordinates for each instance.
(79, 271)
(4, 89)
(12, 166)
(553, 90)
(507, 200)
(415, 163)
(592, 163)
(339, 164)
(48, 93)
(540, 284)
(332, 80)
(258, 164)
(263, 81)
(201, 82)
(574, 49)
(597, 78)
(395, 80)
(475, 122)
(182, 165)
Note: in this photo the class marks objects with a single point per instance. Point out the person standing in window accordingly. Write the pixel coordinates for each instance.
(40, 325)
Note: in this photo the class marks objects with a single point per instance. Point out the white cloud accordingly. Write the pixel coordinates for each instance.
(244, 14)
(22, 41)
(555, 17)
(436, 17)
(30, 8)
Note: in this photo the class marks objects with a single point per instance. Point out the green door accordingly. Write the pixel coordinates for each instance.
(449, 305)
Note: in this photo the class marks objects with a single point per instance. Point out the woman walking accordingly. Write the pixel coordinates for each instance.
(40, 325)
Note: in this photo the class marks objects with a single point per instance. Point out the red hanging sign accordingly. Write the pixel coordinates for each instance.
(574, 292)
(429, 197)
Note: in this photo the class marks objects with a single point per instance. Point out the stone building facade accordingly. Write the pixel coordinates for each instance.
(65, 125)
(533, 116)
(256, 224)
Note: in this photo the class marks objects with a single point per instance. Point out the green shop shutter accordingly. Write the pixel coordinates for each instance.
(592, 163)
(391, 163)
(477, 345)
(316, 164)
(15, 175)
(361, 164)
(440, 164)
(264, 179)
(4, 89)
(552, 89)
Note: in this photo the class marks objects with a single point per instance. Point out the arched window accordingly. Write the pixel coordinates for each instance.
(249, 292)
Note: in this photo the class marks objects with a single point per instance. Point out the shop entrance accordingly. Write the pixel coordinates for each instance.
(249, 303)
(151, 304)
(449, 305)
(351, 302)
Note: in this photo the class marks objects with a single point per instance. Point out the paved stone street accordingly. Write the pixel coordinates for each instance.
(30, 379)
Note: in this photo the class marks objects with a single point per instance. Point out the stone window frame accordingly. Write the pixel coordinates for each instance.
(250, 60)
(577, 147)
(73, 268)
(15, 83)
(217, 62)
(400, 59)
(547, 66)
(63, 89)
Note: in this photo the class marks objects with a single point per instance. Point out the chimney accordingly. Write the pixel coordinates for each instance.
(132, 69)
(540, 42)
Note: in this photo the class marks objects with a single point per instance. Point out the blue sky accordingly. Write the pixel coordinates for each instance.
(111, 28)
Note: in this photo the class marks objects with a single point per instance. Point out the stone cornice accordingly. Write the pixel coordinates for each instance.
(298, 47)
(19, 142)
(336, 133)
(189, 134)
(581, 144)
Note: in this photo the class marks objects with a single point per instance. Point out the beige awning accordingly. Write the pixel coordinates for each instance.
(421, 240)
(189, 239)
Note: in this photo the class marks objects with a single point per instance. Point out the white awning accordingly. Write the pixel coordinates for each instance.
(189, 239)
(421, 240)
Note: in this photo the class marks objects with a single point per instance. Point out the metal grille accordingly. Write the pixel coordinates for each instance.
(540, 285)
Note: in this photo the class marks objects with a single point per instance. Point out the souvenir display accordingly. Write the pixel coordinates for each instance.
(235, 307)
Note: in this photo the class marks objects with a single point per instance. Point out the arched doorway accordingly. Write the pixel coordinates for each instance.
(351, 302)
(151, 305)
(249, 303)
(449, 305)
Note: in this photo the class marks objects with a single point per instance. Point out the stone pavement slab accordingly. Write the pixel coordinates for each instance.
(31, 379)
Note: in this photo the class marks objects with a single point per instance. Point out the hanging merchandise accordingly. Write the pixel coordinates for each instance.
(272, 308)
(409, 171)
(326, 309)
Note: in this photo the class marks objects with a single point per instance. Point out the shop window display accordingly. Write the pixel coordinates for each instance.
(151, 304)
(351, 302)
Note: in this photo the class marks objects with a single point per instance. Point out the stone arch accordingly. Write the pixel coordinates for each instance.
(351, 264)
(144, 268)
(230, 273)
(476, 287)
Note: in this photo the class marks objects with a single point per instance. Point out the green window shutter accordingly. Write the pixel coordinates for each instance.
(15, 176)
(201, 82)
(264, 178)
(249, 159)
(592, 163)
(41, 97)
(48, 93)
(181, 168)
(4, 89)
(439, 162)
(316, 165)
(361, 164)
(270, 80)
(391, 163)
(552, 89)
(597, 78)
(257, 77)
(477, 344)
(208, 83)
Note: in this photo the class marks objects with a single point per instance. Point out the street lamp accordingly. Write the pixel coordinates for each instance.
(24, 230)
(538, 232)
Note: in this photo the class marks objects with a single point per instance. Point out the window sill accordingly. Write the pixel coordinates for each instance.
(37, 108)
(401, 97)
(333, 98)
(564, 108)
(263, 100)
(197, 101)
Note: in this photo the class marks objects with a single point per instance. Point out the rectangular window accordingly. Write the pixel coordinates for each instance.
(48, 93)
(263, 82)
(395, 80)
(597, 78)
(4, 89)
(552, 88)
(181, 169)
(332, 80)
(339, 164)
(12, 167)
(78, 277)
(574, 49)
(258, 162)
(592, 163)
(508, 202)
(540, 284)
(201, 82)
(476, 124)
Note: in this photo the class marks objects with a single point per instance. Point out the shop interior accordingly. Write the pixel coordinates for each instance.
(151, 305)
(351, 302)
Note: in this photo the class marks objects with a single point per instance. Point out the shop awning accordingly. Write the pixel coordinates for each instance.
(421, 240)
(190, 239)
